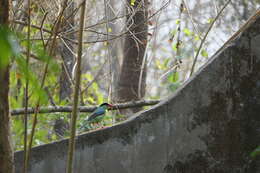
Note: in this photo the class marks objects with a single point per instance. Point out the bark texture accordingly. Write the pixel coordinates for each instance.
(134, 49)
(6, 151)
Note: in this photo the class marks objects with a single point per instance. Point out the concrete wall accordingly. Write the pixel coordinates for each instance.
(210, 125)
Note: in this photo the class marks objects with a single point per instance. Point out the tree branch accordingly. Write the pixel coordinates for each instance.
(55, 109)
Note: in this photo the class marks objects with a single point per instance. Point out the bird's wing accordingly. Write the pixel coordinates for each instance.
(99, 111)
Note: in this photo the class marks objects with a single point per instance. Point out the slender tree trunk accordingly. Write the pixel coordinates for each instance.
(6, 151)
(134, 49)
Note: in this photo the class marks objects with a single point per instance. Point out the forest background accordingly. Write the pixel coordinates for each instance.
(135, 50)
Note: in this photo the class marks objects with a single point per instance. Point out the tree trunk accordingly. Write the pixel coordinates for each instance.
(134, 49)
(6, 151)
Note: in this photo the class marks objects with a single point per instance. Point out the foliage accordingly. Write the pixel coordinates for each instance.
(132, 2)
(18, 75)
(8, 46)
(256, 152)
(163, 73)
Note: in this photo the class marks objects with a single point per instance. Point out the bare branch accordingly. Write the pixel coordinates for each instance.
(68, 109)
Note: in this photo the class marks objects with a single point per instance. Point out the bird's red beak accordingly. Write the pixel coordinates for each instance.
(110, 106)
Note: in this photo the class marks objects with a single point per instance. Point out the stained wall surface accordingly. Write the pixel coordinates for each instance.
(210, 125)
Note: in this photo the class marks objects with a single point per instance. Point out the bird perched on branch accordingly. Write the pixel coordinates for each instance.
(101, 110)
(95, 116)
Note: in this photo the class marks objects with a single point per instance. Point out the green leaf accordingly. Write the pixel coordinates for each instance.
(174, 86)
(132, 2)
(8, 46)
(173, 77)
(87, 76)
(100, 98)
(91, 100)
(174, 47)
(204, 53)
(187, 32)
(196, 37)
(120, 116)
(54, 67)
(256, 152)
(107, 117)
(165, 62)
(37, 92)
(37, 47)
(210, 20)
(158, 64)
(95, 86)
(173, 32)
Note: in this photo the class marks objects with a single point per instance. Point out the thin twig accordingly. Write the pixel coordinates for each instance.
(41, 30)
(205, 36)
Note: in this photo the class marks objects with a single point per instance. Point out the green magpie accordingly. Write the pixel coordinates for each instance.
(95, 116)
(101, 110)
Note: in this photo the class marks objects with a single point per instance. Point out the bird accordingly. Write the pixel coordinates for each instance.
(95, 116)
(101, 110)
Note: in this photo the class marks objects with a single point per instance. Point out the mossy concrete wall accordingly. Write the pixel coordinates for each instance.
(210, 125)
